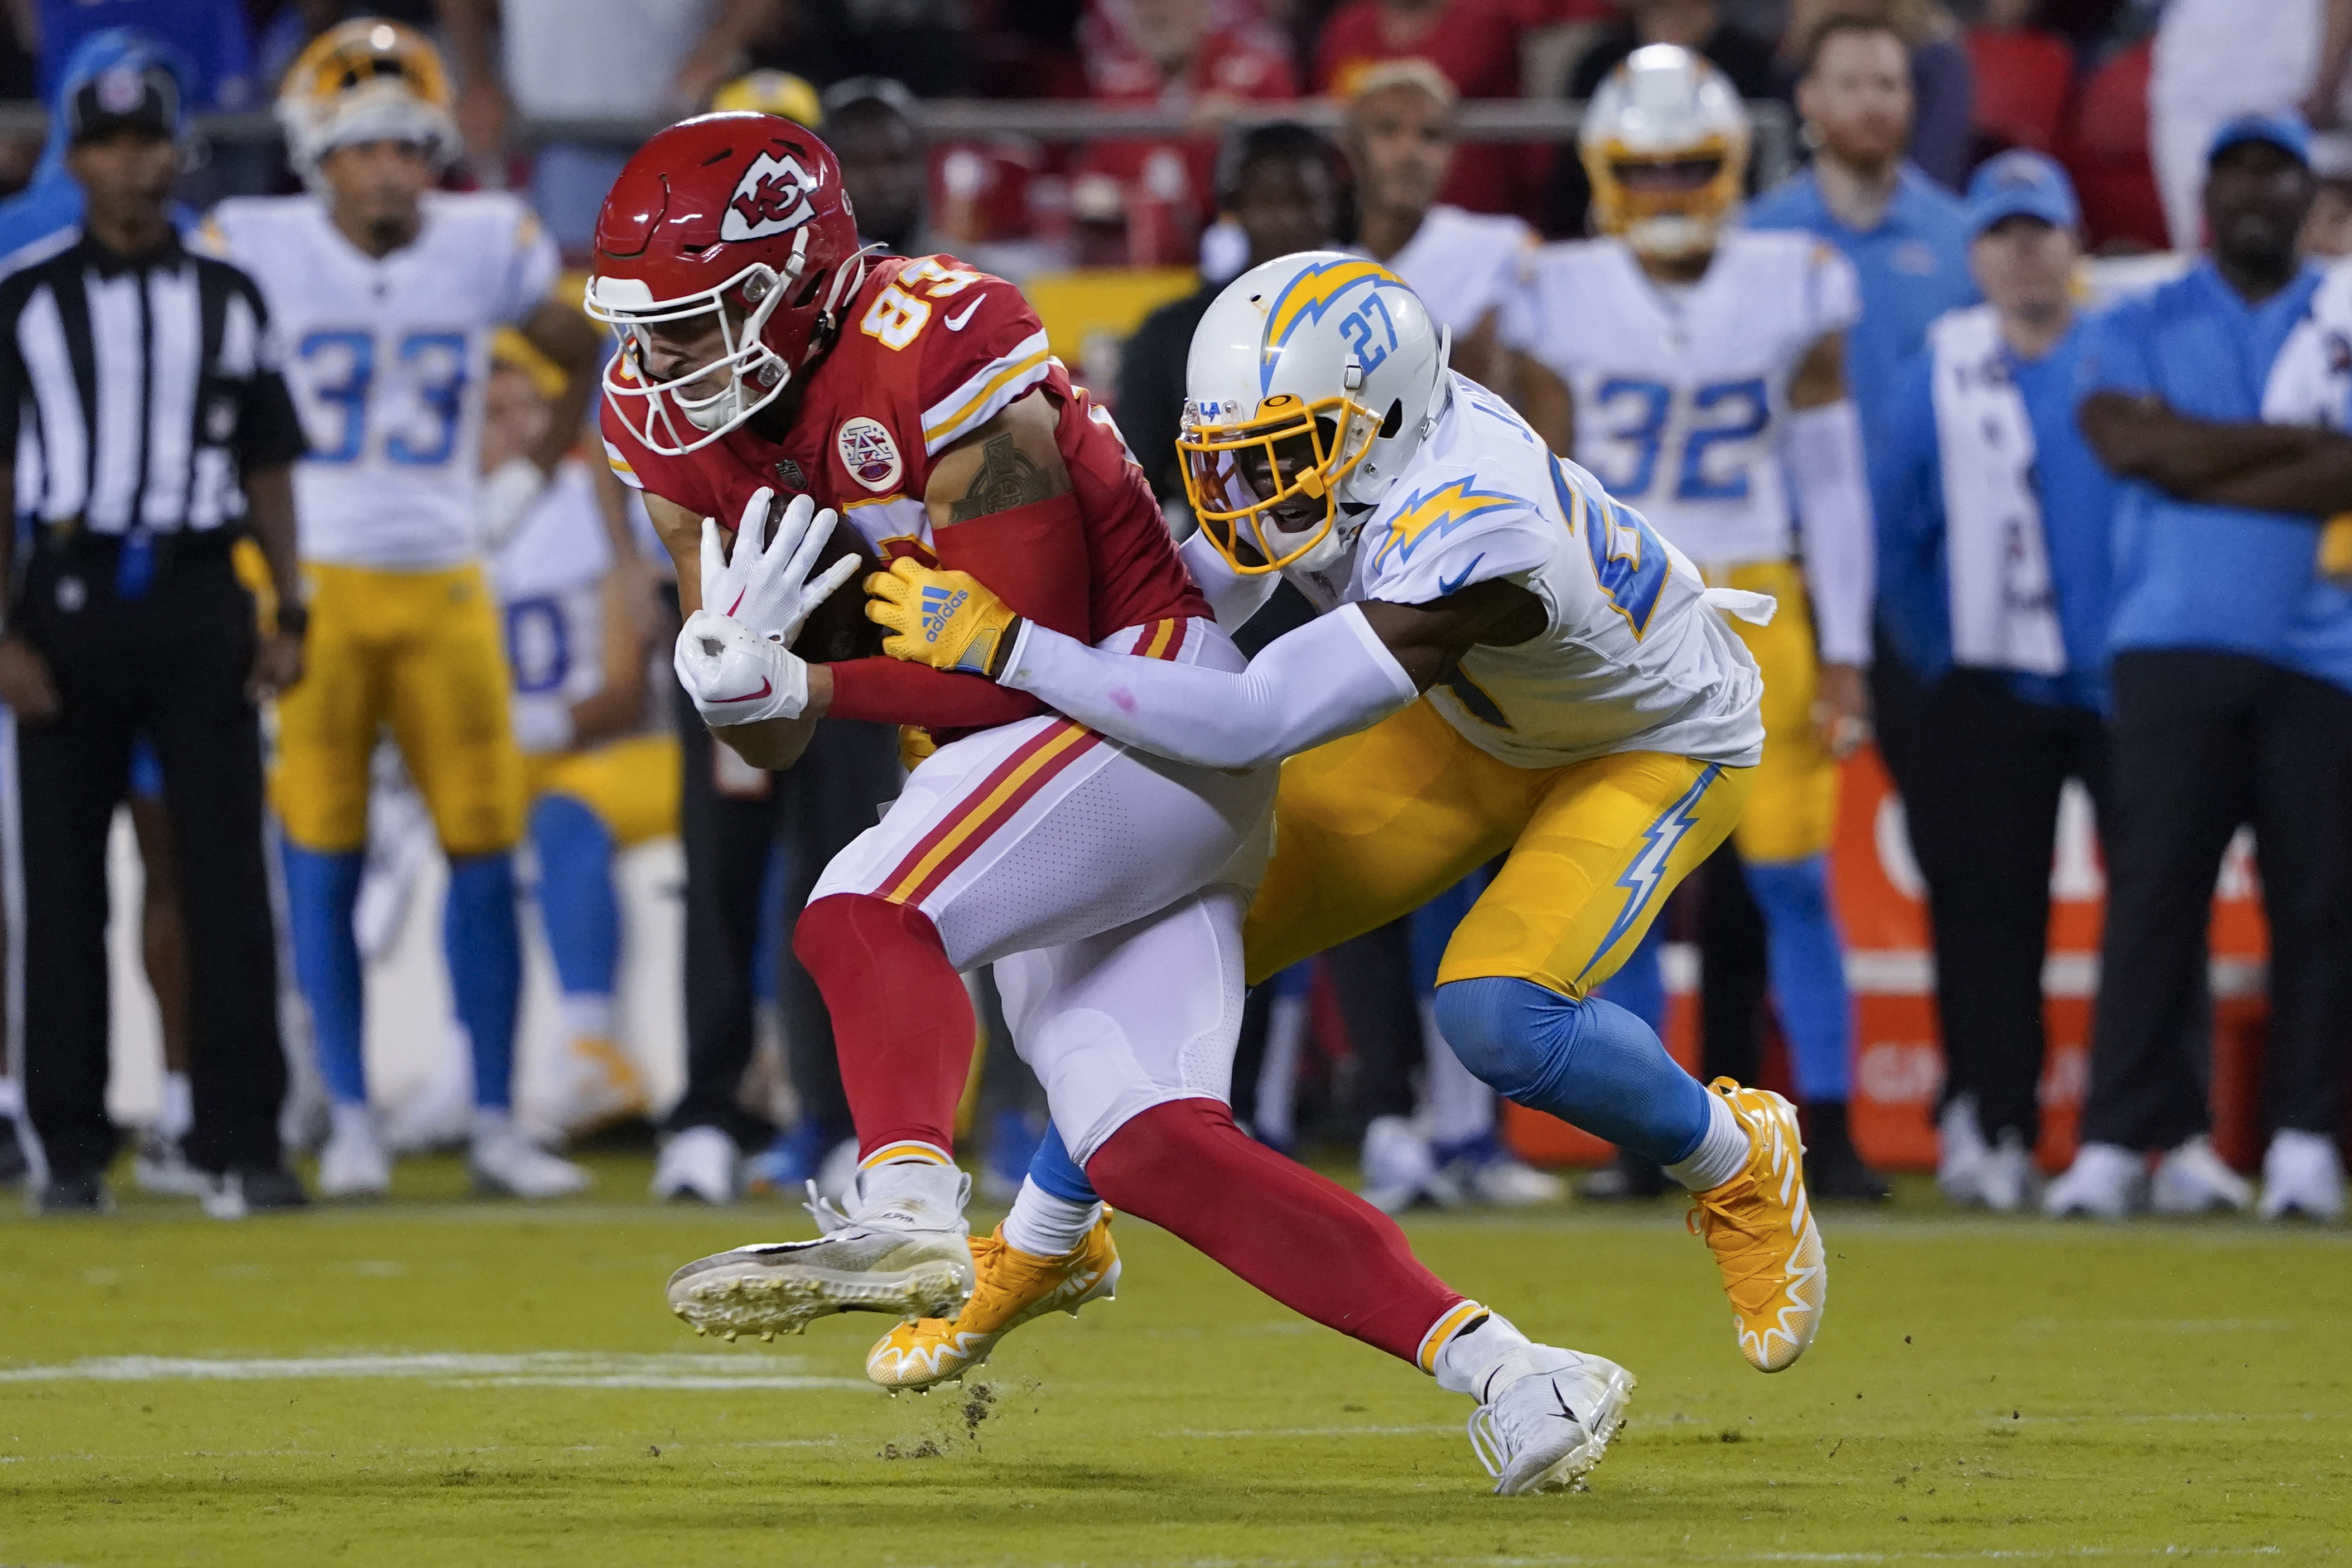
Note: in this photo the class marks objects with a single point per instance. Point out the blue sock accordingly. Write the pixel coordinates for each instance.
(1591, 1063)
(1052, 1168)
(1806, 961)
(576, 901)
(1639, 985)
(485, 953)
(321, 889)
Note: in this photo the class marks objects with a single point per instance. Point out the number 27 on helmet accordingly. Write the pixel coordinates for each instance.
(1312, 381)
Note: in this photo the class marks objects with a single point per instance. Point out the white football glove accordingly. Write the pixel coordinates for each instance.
(508, 493)
(734, 676)
(766, 586)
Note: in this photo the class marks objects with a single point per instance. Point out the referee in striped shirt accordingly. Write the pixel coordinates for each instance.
(145, 429)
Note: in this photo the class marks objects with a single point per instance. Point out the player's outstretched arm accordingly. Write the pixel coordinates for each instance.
(1333, 676)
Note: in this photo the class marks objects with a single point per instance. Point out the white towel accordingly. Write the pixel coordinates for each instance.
(2004, 612)
(2311, 381)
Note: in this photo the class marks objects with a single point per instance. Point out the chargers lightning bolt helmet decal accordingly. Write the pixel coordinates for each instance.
(1312, 381)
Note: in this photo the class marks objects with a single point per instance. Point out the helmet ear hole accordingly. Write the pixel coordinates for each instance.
(1395, 420)
(809, 289)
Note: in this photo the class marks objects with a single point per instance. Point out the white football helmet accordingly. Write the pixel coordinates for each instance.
(366, 80)
(1666, 143)
(1312, 381)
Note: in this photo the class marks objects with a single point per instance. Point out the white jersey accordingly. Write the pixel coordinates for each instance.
(1632, 656)
(550, 578)
(387, 359)
(1462, 265)
(1682, 393)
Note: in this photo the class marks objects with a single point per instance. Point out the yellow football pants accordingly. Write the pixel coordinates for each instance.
(1794, 807)
(631, 785)
(422, 651)
(1372, 826)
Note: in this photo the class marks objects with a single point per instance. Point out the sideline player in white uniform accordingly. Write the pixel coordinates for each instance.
(1508, 661)
(1464, 265)
(384, 293)
(1700, 372)
(598, 777)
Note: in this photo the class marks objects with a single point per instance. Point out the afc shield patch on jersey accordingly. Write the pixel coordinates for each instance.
(868, 452)
(771, 198)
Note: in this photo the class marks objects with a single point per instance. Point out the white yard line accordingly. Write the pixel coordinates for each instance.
(548, 1369)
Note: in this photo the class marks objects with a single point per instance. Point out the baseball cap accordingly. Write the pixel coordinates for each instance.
(132, 95)
(2020, 184)
(2283, 130)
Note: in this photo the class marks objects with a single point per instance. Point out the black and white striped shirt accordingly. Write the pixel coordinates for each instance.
(134, 393)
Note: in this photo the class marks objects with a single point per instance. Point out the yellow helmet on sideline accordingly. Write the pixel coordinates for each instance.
(366, 80)
(1666, 143)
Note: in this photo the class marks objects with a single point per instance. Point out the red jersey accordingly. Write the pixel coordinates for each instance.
(1476, 44)
(930, 351)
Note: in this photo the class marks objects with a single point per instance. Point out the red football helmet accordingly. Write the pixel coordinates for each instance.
(738, 215)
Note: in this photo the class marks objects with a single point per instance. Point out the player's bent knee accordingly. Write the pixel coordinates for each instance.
(845, 934)
(1507, 1031)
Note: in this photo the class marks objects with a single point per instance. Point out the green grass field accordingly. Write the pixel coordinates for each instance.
(433, 1382)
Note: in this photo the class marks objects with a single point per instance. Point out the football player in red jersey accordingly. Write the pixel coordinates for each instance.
(762, 349)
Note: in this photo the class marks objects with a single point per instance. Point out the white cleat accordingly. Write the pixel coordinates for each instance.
(1399, 1168)
(1546, 1417)
(2004, 1179)
(2107, 1181)
(505, 1164)
(2302, 1175)
(2193, 1179)
(1960, 1152)
(354, 1164)
(894, 1253)
(699, 1162)
(162, 1167)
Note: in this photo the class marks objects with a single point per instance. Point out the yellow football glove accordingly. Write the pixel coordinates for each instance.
(948, 620)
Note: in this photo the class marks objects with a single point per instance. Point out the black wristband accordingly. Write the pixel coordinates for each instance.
(999, 656)
(293, 618)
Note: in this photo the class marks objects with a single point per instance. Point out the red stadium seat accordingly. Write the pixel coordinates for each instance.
(2022, 81)
(2106, 151)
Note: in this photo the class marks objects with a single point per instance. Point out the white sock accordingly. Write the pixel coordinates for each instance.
(933, 1188)
(179, 1111)
(1722, 1150)
(588, 1015)
(1464, 1360)
(1459, 1105)
(352, 1122)
(12, 1099)
(491, 1124)
(1044, 1226)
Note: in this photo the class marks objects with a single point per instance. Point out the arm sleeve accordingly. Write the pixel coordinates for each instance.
(1907, 499)
(1833, 496)
(890, 691)
(268, 429)
(1328, 678)
(1233, 597)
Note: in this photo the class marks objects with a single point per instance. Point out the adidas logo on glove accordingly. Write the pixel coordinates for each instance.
(939, 604)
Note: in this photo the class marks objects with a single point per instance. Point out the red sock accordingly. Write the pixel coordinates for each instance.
(902, 1021)
(1309, 1243)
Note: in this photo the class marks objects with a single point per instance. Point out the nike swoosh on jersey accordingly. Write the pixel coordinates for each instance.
(1445, 588)
(955, 323)
(766, 687)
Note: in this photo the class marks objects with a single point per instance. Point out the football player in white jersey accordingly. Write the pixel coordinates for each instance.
(599, 778)
(1699, 369)
(384, 293)
(1464, 265)
(1508, 661)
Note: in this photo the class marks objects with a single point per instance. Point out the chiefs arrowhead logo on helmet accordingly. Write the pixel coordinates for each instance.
(771, 198)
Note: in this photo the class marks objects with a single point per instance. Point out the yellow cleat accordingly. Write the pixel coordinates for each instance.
(1011, 1287)
(1761, 1227)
